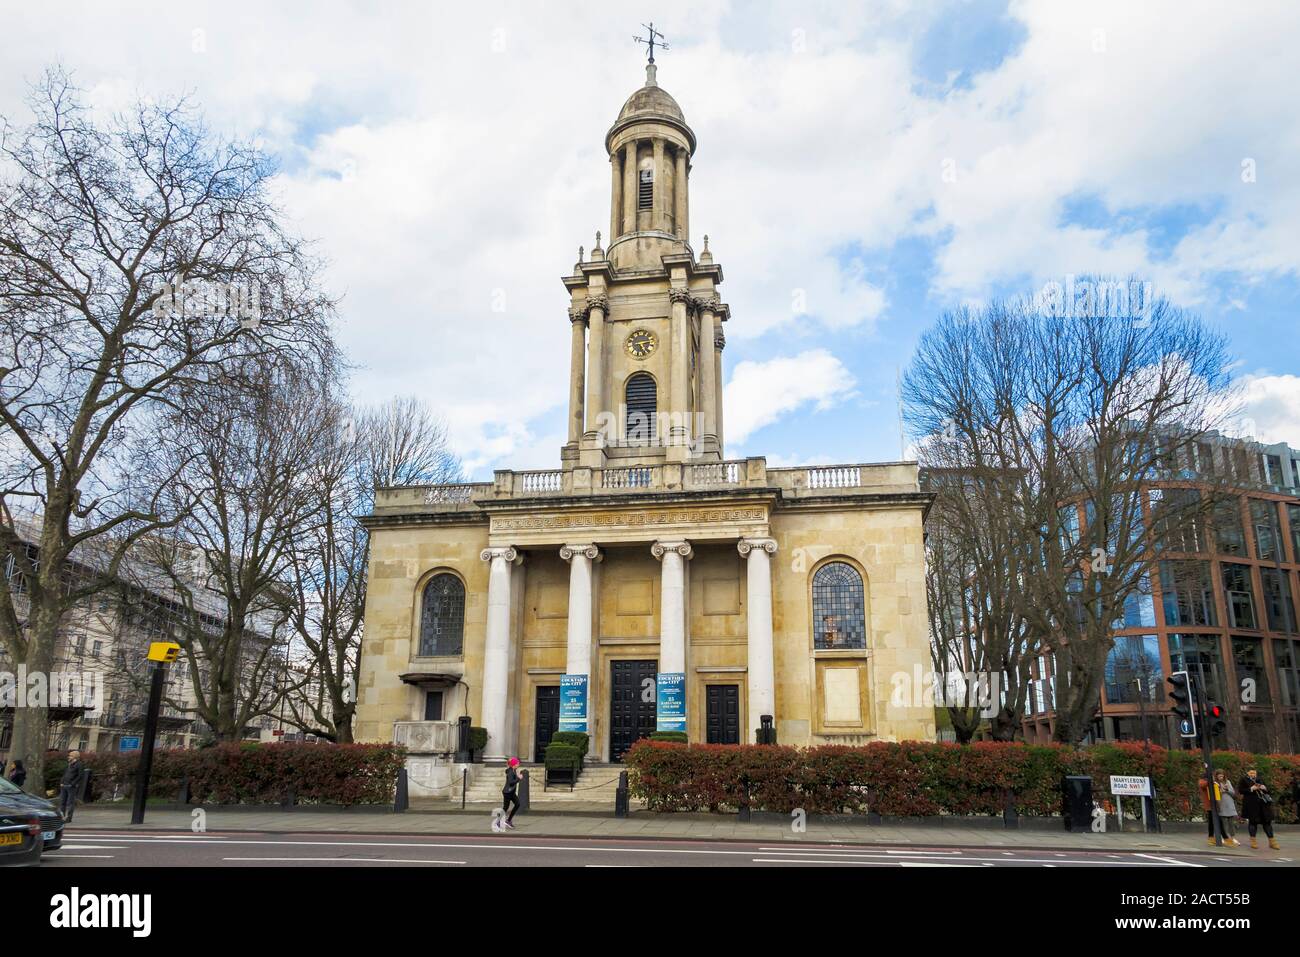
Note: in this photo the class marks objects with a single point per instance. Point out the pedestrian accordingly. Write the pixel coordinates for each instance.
(509, 797)
(1204, 787)
(1227, 808)
(69, 784)
(17, 773)
(1257, 806)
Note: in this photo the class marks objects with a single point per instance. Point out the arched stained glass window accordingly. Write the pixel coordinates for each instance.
(839, 608)
(442, 616)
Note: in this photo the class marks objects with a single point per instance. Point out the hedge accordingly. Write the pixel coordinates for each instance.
(342, 774)
(924, 779)
(561, 755)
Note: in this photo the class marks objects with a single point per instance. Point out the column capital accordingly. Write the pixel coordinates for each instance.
(746, 545)
(598, 302)
(680, 295)
(508, 552)
(719, 338)
(707, 303)
(682, 548)
(568, 552)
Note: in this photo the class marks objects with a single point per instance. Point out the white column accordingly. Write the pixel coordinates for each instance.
(578, 649)
(577, 371)
(580, 559)
(596, 306)
(672, 604)
(496, 654)
(708, 364)
(758, 608)
(672, 626)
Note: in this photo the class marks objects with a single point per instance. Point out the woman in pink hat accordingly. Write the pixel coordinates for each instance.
(510, 800)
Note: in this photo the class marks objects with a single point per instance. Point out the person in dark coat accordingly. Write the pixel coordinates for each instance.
(1257, 807)
(509, 797)
(69, 785)
(17, 773)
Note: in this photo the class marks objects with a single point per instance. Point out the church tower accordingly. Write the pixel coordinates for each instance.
(646, 320)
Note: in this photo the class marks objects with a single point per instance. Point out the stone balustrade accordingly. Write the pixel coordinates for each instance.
(740, 474)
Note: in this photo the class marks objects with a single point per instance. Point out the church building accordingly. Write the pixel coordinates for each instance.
(649, 582)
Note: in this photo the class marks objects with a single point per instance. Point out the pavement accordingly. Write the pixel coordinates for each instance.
(94, 823)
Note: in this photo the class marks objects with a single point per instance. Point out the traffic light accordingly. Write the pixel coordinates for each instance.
(1214, 715)
(1184, 708)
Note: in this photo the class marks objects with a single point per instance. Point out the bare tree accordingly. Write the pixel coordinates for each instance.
(399, 442)
(113, 234)
(242, 466)
(1080, 411)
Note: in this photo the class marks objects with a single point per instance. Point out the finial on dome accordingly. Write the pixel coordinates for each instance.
(705, 255)
(581, 251)
(649, 40)
(597, 254)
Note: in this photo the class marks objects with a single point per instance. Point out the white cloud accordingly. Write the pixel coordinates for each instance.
(759, 393)
(448, 156)
(1270, 408)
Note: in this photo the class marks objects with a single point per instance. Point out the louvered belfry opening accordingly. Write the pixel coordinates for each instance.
(641, 409)
(646, 190)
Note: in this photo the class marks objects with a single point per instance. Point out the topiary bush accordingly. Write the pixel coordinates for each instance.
(677, 737)
(561, 755)
(579, 739)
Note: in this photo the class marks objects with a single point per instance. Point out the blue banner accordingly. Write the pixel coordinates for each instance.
(129, 744)
(573, 703)
(670, 701)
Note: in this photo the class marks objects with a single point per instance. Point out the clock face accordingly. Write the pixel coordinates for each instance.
(641, 344)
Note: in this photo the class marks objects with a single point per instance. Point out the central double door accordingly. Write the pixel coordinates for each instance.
(631, 704)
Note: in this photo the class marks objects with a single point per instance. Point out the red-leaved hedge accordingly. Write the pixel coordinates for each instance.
(344, 774)
(923, 779)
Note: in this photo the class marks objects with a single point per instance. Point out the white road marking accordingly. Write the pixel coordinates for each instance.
(1170, 860)
(90, 847)
(105, 857)
(937, 864)
(345, 860)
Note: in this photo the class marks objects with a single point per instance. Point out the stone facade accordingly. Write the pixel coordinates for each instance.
(647, 545)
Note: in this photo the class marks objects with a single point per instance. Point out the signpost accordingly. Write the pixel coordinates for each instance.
(160, 653)
(131, 743)
(1129, 785)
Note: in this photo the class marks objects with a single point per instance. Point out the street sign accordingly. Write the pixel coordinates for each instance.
(1130, 785)
(129, 744)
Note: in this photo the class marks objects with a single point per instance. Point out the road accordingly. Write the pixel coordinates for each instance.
(122, 848)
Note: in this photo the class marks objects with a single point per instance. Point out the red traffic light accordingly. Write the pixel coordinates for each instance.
(1216, 711)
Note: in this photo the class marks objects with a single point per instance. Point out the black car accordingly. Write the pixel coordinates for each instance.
(49, 816)
(20, 835)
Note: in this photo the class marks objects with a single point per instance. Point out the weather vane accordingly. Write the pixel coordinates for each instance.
(650, 41)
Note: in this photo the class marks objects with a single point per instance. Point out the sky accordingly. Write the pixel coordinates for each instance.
(860, 169)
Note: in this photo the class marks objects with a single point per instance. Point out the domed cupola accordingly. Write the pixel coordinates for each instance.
(650, 148)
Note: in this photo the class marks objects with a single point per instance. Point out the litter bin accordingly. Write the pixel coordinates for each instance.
(1076, 802)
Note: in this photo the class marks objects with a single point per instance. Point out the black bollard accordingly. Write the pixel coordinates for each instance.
(1010, 816)
(184, 796)
(402, 799)
(743, 814)
(620, 796)
(523, 792)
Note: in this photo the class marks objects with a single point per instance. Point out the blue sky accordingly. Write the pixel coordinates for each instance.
(875, 163)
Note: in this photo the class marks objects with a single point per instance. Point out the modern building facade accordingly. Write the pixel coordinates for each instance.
(649, 582)
(1222, 605)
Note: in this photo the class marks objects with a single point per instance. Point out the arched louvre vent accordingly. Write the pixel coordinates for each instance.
(646, 190)
(641, 409)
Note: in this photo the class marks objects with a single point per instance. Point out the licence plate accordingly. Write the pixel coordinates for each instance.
(10, 839)
(49, 835)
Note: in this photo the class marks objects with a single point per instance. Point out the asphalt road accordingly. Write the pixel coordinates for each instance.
(83, 848)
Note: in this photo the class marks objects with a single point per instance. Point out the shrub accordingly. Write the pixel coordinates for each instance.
(923, 779)
(579, 739)
(561, 755)
(478, 738)
(677, 737)
(346, 774)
